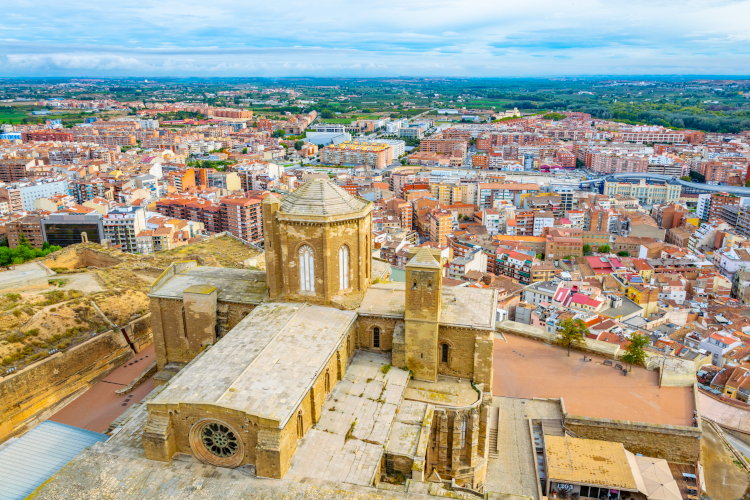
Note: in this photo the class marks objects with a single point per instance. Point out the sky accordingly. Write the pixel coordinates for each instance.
(468, 38)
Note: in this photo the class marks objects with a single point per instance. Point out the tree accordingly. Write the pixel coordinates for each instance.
(572, 333)
(604, 249)
(298, 145)
(686, 178)
(244, 151)
(586, 249)
(623, 253)
(634, 353)
(278, 133)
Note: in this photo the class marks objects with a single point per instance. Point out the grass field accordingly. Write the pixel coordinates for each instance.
(14, 114)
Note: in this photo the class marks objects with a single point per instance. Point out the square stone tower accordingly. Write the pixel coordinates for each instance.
(424, 288)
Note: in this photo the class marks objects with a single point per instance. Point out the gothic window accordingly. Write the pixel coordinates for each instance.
(376, 337)
(414, 286)
(445, 353)
(306, 269)
(343, 267)
(463, 433)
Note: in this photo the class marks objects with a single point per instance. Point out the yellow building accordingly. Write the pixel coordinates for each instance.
(373, 154)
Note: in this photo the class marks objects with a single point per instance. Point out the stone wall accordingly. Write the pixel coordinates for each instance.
(33, 394)
(264, 444)
(670, 442)
(364, 329)
(460, 351)
(173, 342)
(76, 257)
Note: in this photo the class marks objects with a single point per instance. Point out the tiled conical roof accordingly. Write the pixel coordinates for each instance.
(321, 197)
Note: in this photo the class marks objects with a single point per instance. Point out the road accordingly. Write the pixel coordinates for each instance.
(741, 446)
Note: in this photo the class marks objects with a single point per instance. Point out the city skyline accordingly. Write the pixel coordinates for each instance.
(468, 39)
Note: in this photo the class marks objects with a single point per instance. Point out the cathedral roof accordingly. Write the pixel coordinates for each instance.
(321, 197)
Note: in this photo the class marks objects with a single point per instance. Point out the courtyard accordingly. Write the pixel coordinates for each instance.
(525, 368)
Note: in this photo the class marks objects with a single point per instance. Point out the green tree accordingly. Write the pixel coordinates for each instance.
(686, 178)
(634, 353)
(604, 249)
(278, 133)
(244, 151)
(623, 253)
(298, 145)
(572, 333)
(586, 249)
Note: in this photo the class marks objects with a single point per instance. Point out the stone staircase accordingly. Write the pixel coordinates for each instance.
(494, 428)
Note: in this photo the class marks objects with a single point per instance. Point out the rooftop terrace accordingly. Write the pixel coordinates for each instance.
(527, 368)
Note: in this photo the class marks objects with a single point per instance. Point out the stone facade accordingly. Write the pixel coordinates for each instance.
(311, 236)
(320, 257)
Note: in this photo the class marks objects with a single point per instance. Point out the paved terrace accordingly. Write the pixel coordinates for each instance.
(527, 368)
(347, 443)
(96, 408)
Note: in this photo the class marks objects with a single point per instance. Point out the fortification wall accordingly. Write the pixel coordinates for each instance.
(31, 395)
(76, 257)
(670, 442)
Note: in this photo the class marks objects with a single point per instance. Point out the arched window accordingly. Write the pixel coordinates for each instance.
(306, 269)
(343, 267)
(445, 353)
(300, 425)
(376, 337)
(328, 382)
(463, 432)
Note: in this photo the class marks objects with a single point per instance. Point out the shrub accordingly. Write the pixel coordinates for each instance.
(14, 337)
(32, 333)
(13, 296)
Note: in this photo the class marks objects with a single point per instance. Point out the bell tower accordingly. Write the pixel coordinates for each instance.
(424, 288)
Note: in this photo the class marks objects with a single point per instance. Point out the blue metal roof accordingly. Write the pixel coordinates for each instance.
(30, 460)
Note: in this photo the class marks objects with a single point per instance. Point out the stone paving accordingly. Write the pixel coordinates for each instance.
(513, 471)
(724, 414)
(347, 442)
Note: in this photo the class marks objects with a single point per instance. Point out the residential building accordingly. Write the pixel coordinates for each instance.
(28, 225)
(647, 194)
(21, 195)
(122, 224)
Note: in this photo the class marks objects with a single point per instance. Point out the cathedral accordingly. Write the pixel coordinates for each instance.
(251, 363)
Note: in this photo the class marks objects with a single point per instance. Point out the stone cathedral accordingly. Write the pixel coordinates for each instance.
(259, 368)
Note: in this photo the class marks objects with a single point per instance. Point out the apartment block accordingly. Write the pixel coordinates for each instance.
(373, 155)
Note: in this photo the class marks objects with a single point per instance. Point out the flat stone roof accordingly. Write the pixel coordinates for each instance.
(461, 306)
(234, 285)
(266, 364)
(407, 428)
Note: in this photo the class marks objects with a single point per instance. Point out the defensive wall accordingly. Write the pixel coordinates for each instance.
(31, 395)
(77, 256)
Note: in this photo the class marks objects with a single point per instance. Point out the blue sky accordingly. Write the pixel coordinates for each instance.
(387, 38)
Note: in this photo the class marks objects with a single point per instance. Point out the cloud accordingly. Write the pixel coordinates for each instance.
(387, 38)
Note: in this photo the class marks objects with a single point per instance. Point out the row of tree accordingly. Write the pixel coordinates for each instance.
(573, 333)
(24, 252)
